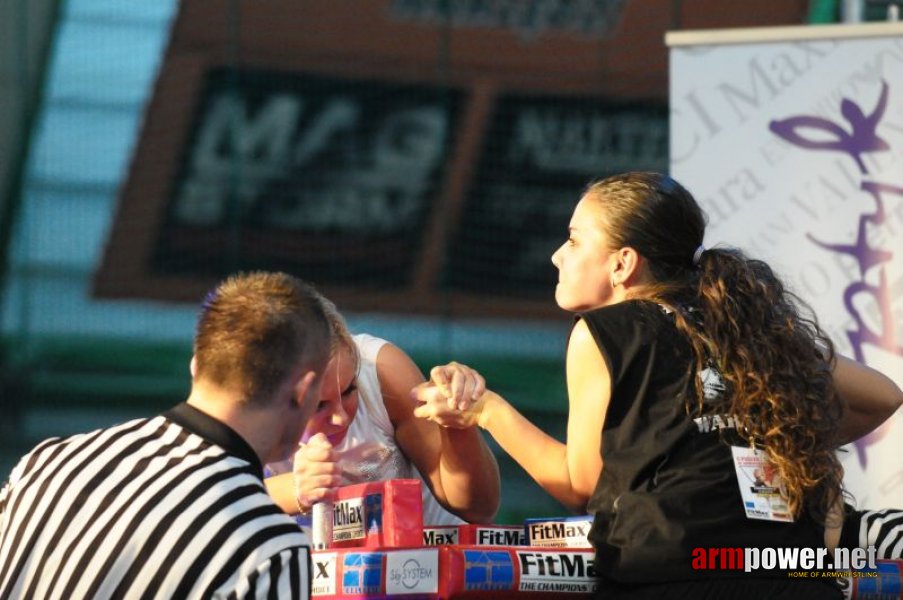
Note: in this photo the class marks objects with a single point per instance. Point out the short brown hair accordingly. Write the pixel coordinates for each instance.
(255, 328)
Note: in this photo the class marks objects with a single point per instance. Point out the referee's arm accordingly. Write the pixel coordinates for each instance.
(7, 488)
(285, 575)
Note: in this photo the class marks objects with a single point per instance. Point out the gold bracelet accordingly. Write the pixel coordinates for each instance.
(305, 512)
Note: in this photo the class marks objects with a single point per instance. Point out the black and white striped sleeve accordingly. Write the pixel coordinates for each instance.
(882, 529)
(25, 464)
(285, 575)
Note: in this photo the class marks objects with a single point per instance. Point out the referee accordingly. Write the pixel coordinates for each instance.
(174, 506)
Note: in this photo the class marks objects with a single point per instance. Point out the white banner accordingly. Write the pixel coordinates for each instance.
(792, 140)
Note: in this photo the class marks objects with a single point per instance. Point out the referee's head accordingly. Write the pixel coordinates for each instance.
(262, 342)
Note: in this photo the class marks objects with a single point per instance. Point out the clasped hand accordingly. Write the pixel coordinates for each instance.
(316, 472)
(453, 397)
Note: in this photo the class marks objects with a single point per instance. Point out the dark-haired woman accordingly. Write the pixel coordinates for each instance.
(687, 369)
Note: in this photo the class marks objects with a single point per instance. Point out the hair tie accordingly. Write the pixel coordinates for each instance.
(698, 254)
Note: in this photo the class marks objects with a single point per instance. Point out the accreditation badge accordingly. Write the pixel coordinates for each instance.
(760, 485)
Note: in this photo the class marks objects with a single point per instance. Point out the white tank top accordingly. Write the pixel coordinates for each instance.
(369, 451)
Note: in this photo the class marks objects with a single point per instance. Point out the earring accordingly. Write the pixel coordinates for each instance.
(614, 283)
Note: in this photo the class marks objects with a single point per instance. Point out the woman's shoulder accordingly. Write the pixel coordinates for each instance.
(368, 346)
(638, 308)
(629, 320)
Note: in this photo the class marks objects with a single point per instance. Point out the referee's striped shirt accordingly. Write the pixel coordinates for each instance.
(881, 529)
(167, 507)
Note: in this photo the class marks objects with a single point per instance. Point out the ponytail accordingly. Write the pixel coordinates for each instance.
(776, 364)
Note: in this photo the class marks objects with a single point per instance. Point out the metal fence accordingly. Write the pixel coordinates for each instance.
(416, 159)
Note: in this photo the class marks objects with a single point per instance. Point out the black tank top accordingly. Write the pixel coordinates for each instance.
(668, 482)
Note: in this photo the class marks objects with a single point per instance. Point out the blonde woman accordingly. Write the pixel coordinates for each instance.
(364, 429)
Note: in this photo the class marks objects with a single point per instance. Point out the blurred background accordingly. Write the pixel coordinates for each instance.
(417, 160)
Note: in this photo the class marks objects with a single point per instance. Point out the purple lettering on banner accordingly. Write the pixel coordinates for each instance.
(860, 138)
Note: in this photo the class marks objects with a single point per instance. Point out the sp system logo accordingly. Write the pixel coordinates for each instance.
(412, 571)
(410, 574)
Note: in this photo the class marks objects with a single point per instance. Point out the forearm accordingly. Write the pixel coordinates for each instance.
(543, 457)
(469, 475)
(869, 396)
(282, 490)
(856, 424)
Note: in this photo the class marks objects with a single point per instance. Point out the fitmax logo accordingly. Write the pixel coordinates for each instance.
(556, 565)
(347, 514)
(555, 531)
(433, 537)
(500, 537)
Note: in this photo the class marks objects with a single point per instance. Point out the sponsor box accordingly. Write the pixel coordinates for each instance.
(517, 572)
(883, 583)
(382, 514)
(369, 573)
(480, 535)
(453, 572)
(556, 572)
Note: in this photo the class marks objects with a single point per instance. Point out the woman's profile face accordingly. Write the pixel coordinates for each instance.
(585, 262)
(338, 400)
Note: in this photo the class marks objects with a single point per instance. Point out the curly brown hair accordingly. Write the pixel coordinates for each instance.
(766, 343)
